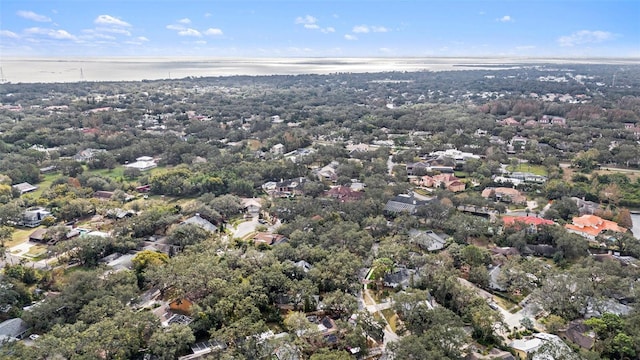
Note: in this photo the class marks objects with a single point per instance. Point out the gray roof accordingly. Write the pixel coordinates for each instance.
(404, 203)
(13, 328)
(199, 221)
(427, 239)
(25, 187)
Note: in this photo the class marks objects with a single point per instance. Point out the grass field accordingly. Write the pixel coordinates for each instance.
(391, 317)
(19, 236)
(36, 251)
(534, 169)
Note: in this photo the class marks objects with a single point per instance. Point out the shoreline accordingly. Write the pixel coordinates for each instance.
(17, 70)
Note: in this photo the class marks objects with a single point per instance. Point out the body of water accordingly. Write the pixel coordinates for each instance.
(636, 225)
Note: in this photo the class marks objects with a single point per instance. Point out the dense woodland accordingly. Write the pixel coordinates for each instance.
(213, 139)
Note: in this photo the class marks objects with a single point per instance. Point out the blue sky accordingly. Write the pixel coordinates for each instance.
(314, 28)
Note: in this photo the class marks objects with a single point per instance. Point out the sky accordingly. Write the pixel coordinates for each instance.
(316, 28)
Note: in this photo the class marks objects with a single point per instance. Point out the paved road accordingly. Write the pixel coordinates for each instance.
(511, 319)
(245, 228)
(389, 335)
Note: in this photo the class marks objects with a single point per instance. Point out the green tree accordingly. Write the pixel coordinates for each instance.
(169, 343)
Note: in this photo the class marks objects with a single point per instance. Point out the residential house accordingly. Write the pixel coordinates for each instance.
(25, 187)
(460, 157)
(344, 194)
(401, 276)
(544, 250)
(181, 306)
(87, 154)
(510, 122)
(103, 195)
(591, 226)
(329, 172)
(143, 188)
(541, 346)
(403, 203)
(578, 333)
(251, 205)
(269, 239)
(285, 188)
(38, 235)
(524, 347)
(200, 222)
(119, 214)
(427, 240)
(277, 149)
(528, 177)
(13, 329)
(143, 163)
(303, 265)
(585, 206)
(33, 217)
(517, 143)
(531, 223)
(552, 120)
(448, 181)
(119, 262)
(504, 194)
(423, 167)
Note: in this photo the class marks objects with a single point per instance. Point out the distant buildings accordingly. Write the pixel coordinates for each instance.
(504, 194)
(448, 181)
(143, 163)
(591, 226)
(403, 203)
(25, 187)
(33, 217)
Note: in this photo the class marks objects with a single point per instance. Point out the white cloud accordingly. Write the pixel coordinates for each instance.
(311, 26)
(207, 15)
(142, 38)
(361, 29)
(585, 37)
(306, 20)
(328, 30)
(8, 34)
(213, 32)
(350, 37)
(30, 15)
(190, 32)
(481, 13)
(54, 34)
(114, 31)
(200, 42)
(110, 20)
(93, 34)
(364, 29)
(185, 21)
(175, 27)
(385, 50)
(505, 18)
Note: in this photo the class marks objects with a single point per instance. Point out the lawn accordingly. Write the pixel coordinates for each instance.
(36, 251)
(116, 173)
(391, 317)
(524, 167)
(19, 236)
(44, 185)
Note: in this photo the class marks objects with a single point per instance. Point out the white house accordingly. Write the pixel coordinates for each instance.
(143, 163)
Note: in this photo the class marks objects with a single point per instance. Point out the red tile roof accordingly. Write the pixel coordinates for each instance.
(593, 225)
(529, 220)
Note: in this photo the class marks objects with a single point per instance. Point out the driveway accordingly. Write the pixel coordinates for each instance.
(512, 320)
(245, 228)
